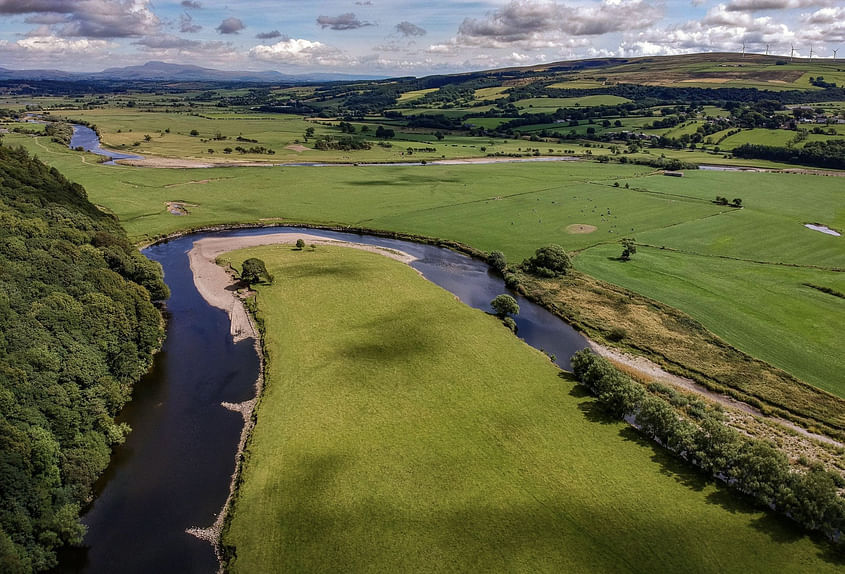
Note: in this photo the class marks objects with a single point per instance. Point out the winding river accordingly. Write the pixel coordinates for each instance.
(173, 471)
(87, 139)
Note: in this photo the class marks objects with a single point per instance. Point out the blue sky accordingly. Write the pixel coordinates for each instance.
(400, 38)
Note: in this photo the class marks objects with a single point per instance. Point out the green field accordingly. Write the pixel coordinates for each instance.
(414, 95)
(759, 137)
(516, 208)
(551, 105)
(766, 311)
(403, 431)
(494, 93)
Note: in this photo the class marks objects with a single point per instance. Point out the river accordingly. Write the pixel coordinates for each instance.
(87, 139)
(173, 471)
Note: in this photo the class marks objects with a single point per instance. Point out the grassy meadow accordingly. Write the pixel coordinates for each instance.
(517, 208)
(401, 430)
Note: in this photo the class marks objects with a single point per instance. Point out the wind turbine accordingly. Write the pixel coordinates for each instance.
(767, 49)
(834, 55)
(743, 48)
(811, 51)
(792, 53)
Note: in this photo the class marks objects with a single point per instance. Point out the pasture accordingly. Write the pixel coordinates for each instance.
(401, 430)
(517, 208)
(551, 105)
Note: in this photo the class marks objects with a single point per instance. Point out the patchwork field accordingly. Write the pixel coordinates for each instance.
(384, 442)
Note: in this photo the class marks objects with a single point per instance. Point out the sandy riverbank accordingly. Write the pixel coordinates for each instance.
(216, 284)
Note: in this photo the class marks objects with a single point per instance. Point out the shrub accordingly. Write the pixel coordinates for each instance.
(549, 261)
(497, 261)
(509, 323)
(616, 334)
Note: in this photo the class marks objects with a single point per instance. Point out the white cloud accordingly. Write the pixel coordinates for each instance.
(301, 52)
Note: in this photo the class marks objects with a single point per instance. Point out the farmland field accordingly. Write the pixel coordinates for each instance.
(552, 104)
(517, 208)
(383, 443)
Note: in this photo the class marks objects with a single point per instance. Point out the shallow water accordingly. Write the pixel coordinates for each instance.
(173, 472)
(823, 229)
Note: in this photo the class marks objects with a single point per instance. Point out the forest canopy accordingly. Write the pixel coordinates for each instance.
(77, 329)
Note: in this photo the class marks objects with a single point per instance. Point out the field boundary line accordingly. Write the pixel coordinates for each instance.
(755, 261)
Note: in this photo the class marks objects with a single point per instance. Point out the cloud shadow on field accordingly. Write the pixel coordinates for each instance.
(391, 338)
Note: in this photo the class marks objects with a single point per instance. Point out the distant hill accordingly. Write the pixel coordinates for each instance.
(704, 70)
(163, 71)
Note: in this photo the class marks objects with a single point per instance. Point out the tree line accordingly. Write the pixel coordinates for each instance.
(828, 154)
(753, 467)
(77, 329)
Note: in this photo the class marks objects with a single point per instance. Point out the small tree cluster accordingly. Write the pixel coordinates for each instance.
(735, 202)
(629, 247)
(749, 465)
(548, 261)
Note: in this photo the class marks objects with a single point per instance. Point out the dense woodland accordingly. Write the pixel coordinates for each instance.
(829, 154)
(77, 329)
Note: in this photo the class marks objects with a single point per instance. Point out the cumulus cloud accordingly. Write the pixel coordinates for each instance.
(533, 24)
(825, 25)
(230, 25)
(720, 30)
(301, 52)
(348, 21)
(53, 51)
(763, 5)
(89, 18)
(53, 44)
(186, 24)
(268, 35)
(407, 29)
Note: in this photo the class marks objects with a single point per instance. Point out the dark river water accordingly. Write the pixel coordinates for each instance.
(173, 471)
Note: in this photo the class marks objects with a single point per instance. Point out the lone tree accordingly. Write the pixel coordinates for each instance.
(253, 271)
(300, 243)
(548, 261)
(629, 247)
(737, 202)
(497, 261)
(505, 305)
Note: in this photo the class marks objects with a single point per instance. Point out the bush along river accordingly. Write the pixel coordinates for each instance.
(173, 472)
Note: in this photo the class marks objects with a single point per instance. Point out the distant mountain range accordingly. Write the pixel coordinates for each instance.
(165, 72)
